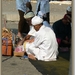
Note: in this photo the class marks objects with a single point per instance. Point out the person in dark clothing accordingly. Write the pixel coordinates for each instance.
(62, 29)
(23, 6)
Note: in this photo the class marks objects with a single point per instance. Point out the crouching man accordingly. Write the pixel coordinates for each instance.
(44, 47)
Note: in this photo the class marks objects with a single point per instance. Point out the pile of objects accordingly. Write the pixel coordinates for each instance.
(7, 46)
(6, 33)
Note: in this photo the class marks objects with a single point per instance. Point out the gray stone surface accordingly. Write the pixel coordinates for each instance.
(16, 66)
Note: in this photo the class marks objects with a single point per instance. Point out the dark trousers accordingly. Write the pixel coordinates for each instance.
(23, 26)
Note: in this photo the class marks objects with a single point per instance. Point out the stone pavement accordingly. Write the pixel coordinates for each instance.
(16, 66)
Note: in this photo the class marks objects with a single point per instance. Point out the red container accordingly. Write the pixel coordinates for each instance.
(7, 47)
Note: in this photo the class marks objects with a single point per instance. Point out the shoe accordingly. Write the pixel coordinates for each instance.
(24, 57)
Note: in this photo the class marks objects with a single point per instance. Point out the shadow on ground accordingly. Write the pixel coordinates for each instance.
(59, 67)
(6, 58)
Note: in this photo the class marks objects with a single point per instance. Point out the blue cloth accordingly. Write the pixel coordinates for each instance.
(25, 56)
(21, 5)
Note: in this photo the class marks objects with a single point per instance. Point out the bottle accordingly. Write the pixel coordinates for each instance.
(13, 39)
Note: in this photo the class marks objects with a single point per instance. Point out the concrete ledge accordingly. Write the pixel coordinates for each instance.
(56, 2)
(15, 17)
(11, 16)
(61, 2)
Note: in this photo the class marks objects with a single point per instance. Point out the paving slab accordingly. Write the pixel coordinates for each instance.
(16, 66)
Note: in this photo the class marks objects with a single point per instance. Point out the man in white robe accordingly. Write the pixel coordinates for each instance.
(44, 47)
(28, 18)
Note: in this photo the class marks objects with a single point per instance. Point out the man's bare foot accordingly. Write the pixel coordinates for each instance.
(31, 56)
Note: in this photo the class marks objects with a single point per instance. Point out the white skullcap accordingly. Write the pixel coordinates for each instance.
(69, 8)
(29, 15)
(36, 20)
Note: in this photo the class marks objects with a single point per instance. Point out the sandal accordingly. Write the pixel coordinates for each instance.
(24, 57)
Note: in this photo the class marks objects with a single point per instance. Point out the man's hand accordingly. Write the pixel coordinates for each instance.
(27, 37)
(30, 41)
(66, 42)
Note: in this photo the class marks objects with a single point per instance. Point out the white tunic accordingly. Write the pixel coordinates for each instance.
(45, 46)
(32, 30)
(44, 6)
(21, 5)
